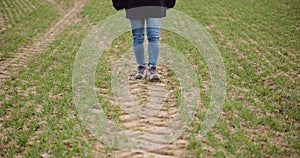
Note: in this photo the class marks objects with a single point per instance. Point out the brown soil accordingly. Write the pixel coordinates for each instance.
(164, 95)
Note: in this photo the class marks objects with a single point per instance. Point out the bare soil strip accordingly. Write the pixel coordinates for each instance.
(53, 2)
(12, 65)
(139, 91)
(2, 23)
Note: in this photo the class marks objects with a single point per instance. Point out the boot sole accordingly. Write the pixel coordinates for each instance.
(139, 77)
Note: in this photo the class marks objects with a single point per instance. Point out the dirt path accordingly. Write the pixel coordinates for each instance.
(158, 100)
(12, 65)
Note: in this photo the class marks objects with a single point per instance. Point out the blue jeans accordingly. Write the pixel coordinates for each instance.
(153, 34)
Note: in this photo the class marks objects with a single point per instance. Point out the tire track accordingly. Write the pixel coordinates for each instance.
(2, 23)
(15, 10)
(11, 65)
(174, 149)
(156, 117)
(53, 2)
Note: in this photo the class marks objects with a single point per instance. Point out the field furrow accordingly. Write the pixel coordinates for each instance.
(14, 64)
(2, 23)
(39, 114)
(29, 4)
(276, 55)
(21, 9)
(15, 9)
(24, 6)
(10, 15)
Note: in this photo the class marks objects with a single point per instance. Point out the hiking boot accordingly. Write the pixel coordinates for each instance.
(152, 75)
(140, 72)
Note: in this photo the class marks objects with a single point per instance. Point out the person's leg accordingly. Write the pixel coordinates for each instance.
(137, 26)
(153, 34)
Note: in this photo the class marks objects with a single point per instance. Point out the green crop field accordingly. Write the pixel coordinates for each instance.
(259, 43)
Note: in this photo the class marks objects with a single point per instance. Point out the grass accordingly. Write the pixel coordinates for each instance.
(258, 42)
(24, 24)
(40, 112)
(25, 20)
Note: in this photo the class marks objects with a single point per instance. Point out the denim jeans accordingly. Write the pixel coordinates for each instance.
(153, 34)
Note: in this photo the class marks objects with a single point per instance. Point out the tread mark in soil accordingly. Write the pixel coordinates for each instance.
(12, 65)
(139, 91)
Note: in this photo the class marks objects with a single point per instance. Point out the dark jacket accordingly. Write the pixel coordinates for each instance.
(145, 8)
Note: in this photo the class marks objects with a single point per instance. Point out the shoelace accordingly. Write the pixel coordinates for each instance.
(152, 70)
(141, 69)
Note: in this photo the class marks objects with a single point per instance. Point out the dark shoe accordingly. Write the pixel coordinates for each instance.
(140, 72)
(152, 75)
